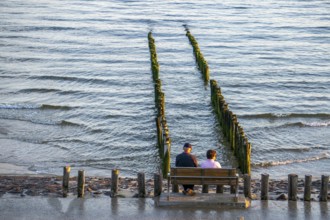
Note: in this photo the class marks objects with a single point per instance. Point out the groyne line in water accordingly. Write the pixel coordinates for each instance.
(202, 65)
(231, 129)
(163, 137)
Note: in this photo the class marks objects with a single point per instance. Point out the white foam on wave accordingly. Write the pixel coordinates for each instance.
(321, 156)
(317, 124)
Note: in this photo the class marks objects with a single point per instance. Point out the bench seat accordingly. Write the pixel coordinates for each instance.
(203, 176)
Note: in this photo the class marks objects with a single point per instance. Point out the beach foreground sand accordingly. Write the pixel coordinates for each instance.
(51, 186)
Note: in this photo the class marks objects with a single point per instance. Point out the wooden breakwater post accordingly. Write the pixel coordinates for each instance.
(158, 184)
(232, 130)
(141, 185)
(264, 186)
(114, 183)
(247, 186)
(307, 187)
(163, 137)
(66, 178)
(324, 188)
(81, 183)
(292, 187)
(153, 57)
(199, 58)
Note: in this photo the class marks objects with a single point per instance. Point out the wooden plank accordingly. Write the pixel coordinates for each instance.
(203, 176)
(204, 182)
(189, 171)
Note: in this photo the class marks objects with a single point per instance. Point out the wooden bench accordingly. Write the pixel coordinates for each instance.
(203, 176)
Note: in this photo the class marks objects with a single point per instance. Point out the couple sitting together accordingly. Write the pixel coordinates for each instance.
(185, 159)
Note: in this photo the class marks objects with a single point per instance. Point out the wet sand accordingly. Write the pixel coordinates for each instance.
(51, 186)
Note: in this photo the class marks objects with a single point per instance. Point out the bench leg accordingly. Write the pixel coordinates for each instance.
(219, 188)
(205, 189)
(233, 189)
(175, 188)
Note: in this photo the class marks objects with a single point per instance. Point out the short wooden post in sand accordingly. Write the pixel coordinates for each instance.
(307, 189)
(264, 186)
(292, 187)
(66, 177)
(141, 185)
(324, 188)
(114, 183)
(247, 186)
(81, 183)
(158, 184)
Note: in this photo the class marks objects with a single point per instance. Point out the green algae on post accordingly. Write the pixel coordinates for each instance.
(199, 58)
(163, 138)
(231, 129)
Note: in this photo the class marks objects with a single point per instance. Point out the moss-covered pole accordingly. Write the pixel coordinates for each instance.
(231, 129)
(163, 137)
(199, 58)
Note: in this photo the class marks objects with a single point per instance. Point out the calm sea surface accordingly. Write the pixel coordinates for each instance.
(76, 86)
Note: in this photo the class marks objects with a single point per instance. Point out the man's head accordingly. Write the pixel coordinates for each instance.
(211, 154)
(187, 147)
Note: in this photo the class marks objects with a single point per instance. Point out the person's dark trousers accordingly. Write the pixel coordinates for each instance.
(185, 187)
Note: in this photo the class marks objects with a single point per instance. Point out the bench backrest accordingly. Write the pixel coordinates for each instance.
(203, 176)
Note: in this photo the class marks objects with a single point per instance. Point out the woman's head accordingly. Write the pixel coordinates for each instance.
(211, 154)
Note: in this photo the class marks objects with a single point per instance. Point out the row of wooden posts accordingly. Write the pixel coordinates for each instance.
(158, 185)
(200, 60)
(163, 137)
(231, 129)
(292, 187)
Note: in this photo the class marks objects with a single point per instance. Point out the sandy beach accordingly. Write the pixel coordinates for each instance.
(19, 181)
(51, 186)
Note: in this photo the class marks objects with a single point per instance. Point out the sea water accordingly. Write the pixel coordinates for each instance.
(76, 86)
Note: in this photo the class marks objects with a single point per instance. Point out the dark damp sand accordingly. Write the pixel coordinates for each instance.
(51, 186)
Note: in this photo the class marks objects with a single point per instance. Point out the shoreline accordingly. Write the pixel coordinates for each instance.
(25, 185)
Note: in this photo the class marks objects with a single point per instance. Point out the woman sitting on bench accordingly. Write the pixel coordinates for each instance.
(210, 162)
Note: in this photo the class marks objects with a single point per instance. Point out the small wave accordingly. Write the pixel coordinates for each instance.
(322, 156)
(293, 149)
(45, 107)
(38, 90)
(68, 123)
(289, 115)
(49, 28)
(307, 124)
(70, 78)
(303, 149)
(33, 106)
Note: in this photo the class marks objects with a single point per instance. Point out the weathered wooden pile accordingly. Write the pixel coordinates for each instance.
(231, 129)
(200, 60)
(163, 137)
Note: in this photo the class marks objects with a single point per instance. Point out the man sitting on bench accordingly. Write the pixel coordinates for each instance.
(186, 159)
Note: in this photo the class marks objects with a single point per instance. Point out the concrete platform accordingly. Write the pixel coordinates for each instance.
(105, 208)
(208, 200)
